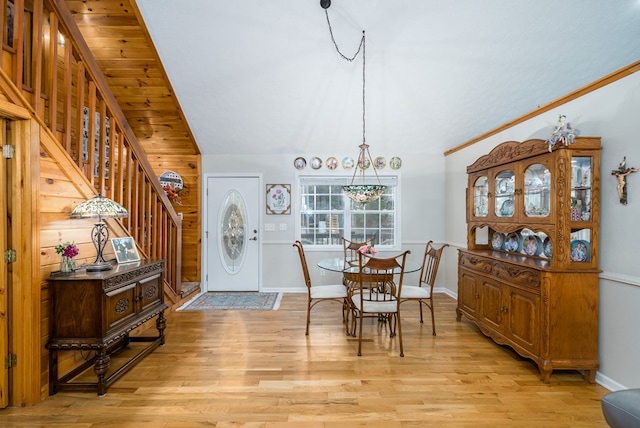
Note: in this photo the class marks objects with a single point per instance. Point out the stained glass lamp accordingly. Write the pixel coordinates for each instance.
(362, 192)
(99, 207)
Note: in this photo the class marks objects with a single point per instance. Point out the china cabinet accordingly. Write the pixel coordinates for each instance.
(529, 275)
(96, 311)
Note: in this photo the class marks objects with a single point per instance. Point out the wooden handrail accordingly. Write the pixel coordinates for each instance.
(54, 71)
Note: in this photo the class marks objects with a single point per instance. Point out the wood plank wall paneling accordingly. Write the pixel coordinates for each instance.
(49, 100)
(189, 169)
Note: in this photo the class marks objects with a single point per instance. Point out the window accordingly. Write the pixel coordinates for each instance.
(326, 214)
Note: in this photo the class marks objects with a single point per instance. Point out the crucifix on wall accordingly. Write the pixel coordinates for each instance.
(621, 174)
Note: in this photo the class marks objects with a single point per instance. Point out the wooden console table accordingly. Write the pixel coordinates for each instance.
(96, 311)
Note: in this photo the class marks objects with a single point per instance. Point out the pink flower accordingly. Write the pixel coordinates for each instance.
(68, 249)
(367, 249)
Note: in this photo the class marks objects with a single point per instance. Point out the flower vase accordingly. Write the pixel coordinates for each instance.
(67, 264)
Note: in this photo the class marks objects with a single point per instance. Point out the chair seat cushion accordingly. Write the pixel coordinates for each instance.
(413, 292)
(328, 291)
(622, 408)
(375, 306)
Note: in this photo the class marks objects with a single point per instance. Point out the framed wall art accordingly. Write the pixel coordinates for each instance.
(278, 199)
(125, 250)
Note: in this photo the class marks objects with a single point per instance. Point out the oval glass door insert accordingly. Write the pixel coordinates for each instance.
(232, 226)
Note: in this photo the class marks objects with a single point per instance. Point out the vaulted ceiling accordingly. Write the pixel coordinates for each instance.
(263, 77)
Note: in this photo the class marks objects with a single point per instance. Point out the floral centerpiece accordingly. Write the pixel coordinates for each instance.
(69, 251)
(367, 249)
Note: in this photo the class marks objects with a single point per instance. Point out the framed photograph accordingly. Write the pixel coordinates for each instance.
(278, 199)
(125, 250)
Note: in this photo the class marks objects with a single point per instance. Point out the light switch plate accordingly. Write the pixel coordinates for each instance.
(283, 226)
(269, 227)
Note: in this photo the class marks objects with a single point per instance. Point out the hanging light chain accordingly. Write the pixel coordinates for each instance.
(336, 45)
(362, 193)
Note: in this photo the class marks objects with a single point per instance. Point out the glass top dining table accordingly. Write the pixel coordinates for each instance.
(337, 264)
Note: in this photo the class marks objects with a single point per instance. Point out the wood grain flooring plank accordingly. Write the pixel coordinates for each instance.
(258, 369)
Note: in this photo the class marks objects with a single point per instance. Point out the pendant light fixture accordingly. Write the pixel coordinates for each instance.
(359, 189)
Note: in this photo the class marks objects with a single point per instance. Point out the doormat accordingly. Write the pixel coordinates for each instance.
(234, 300)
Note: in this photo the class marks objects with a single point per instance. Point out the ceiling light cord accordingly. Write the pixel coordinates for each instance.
(361, 46)
(360, 193)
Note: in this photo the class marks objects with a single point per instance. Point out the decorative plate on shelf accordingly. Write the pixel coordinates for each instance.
(507, 208)
(300, 163)
(316, 163)
(532, 245)
(497, 241)
(347, 163)
(547, 247)
(513, 242)
(580, 251)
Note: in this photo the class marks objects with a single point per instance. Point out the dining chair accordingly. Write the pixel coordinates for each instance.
(423, 292)
(379, 284)
(351, 249)
(320, 293)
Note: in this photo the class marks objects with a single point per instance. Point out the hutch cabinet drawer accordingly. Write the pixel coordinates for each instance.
(502, 270)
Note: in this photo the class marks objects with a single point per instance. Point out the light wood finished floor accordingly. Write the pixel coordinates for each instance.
(258, 369)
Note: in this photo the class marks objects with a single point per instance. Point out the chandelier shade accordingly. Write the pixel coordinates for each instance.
(99, 207)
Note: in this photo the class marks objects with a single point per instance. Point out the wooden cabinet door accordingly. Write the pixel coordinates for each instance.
(468, 297)
(537, 191)
(523, 320)
(120, 306)
(492, 304)
(150, 292)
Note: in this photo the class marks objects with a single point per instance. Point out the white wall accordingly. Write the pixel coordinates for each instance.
(422, 199)
(612, 113)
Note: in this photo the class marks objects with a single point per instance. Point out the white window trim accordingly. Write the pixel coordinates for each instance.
(388, 179)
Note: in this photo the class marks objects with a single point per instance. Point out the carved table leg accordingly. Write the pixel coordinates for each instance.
(103, 362)
(161, 324)
(53, 371)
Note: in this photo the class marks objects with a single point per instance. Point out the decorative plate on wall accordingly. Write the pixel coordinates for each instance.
(347, 163)
(395, 162)
(364, 164)
(300, 163)
(379, 162)
(316, 163)
(332, 163)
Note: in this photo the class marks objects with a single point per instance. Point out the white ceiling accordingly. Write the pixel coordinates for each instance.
(263, 77)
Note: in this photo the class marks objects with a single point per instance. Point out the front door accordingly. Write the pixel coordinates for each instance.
(232, 234)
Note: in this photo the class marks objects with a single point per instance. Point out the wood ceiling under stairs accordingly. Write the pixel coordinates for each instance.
(120, 43)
